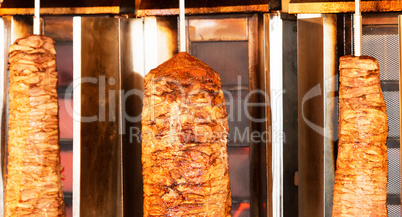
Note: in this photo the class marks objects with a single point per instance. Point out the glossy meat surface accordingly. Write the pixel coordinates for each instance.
(33, 184)
(184, 141)
(362, 163)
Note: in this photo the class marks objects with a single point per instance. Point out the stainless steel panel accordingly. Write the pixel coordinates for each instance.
(258, 149)
(258, 176)
(144, 44)
(330, 87)
(276, 102)
(132, 79)
(290, 164)
(4, 43)
(310, 73)
(100, 166)
(264, 69)
(317, 117)
(277, 51)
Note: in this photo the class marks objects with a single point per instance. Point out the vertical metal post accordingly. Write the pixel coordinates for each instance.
(400, 76)
(37, 18)
(317, 131)
(182, 26)
(96, 91)
(358, 29)
(77, 116)
(276, 92)
(3, 107)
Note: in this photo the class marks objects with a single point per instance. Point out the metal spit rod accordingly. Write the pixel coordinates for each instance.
(182, 26)
(358, 29)
(36, 24)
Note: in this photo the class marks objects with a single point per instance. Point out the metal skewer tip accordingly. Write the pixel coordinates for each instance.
(182, 26)
(36, 24)
(357, 22)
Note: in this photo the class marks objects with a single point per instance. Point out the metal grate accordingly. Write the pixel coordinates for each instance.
(239, 168)
(227, 58)
(392, 102)
(237, 118)
(382, 44)
(230, 60)
(394, 171)
(394, 211)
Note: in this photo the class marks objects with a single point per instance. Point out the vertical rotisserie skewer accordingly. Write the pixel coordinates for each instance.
(184, 141)
(362, 162)
(33, 184)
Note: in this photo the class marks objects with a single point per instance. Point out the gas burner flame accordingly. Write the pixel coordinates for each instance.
(242, 207)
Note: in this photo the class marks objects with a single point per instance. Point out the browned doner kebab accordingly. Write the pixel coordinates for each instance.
(33, 184)
(184, 141)
(362, 165)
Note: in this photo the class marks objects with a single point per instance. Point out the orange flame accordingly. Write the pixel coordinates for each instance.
(242, 207)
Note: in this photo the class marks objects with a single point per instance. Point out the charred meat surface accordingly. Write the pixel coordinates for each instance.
(362, 164)
(184, 141)
(33, 184)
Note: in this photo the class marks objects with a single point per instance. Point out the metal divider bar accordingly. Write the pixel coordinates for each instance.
(400, 75)
(3, 108)
(276, 90)
(76, 116)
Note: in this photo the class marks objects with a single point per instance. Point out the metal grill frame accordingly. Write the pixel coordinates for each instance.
(381, 41)
(257, 175)
(316, 162)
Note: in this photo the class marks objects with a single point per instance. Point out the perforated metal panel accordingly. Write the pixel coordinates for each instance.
(394, 210)
(238, 121)
(382, 43)
(239, 168)
(392, 102)
(230, 59)
(394, 171)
